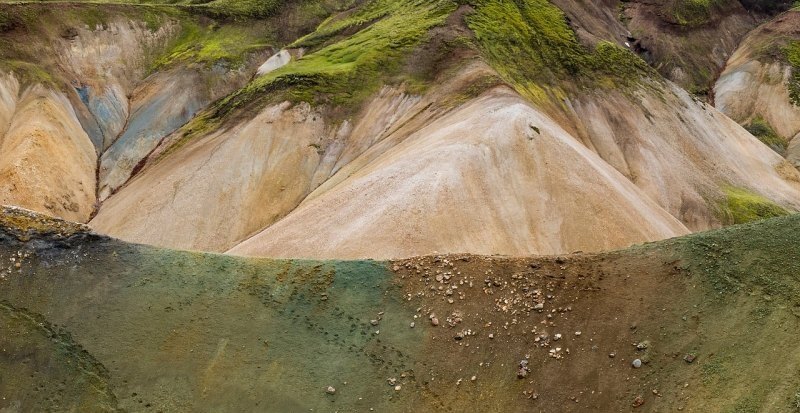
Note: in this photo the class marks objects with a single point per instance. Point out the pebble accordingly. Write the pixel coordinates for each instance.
(473, 378)
(689, 358)
(434, 321)
(330, 390)
(523, 369)
(373, 322)
(491, 335)
(412, 324)
(638, 401)
(398, 387)
(637, 363)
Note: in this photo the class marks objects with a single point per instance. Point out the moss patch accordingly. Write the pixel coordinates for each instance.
(27, 73)
(762, 130)
(792, 52)
(742, 206)
(210, 44)
(532, 46)
(343, 70)
(692, 12)
(734, 258)
(24, 224)
(348, 71)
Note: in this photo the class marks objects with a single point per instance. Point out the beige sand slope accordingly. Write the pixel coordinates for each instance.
(481, 179)
(46, 159)
(754, 83)
(464, 164)
(407, 177)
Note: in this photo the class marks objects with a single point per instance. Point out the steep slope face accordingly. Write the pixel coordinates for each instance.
(756, 87)
(681, 152)
(406, 173)
(47, 160)
(495, 175)
(160, 105)
(688, 41)
(101, 325)
(129, 75)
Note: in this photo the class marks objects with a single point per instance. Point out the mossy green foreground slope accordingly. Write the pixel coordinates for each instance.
(94, 324)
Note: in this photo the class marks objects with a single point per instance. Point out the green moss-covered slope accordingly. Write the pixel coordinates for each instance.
(793, 57)
(762, 130)
(100, 325)
(350, 55)
(533, 47)
(741, 206)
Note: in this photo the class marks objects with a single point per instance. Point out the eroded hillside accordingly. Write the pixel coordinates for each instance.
(387, 129)
(760, 87)
(95, 324)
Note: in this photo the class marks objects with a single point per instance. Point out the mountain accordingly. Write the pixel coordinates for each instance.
(390, 129)
(419, 205)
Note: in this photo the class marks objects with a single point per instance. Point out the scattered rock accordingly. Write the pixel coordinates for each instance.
(523, 369)
(689, 358)
(398, 387)
(412, 324)
(612, 355)
(638, 401)
(330, 390)
(637, 363)
(373, 322)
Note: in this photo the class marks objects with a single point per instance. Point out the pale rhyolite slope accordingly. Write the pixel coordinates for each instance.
(46, 159)
(681, 152)
(754, 86)
(220, 189)
(480, 179)
(483, 180)
(101, 81)
(409, 178)
(223, 188)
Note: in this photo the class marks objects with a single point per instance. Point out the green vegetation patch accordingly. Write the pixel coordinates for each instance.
(760, 257)
(244, 8)
(211, 44)
(741, 206)
(692, 12)
(28, 73)
(348, 71)
(532, 46)
(345, 72)
(792, 52)
(27, 30)
(762, 130)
